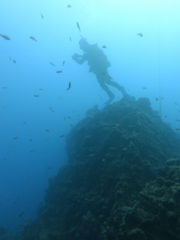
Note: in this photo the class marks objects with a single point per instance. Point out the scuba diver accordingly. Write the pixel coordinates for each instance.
(98, 64)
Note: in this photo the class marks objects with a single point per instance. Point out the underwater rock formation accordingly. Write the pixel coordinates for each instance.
(4, 235)
(121, 182)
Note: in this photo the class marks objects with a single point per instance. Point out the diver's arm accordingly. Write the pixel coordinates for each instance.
(79, 58)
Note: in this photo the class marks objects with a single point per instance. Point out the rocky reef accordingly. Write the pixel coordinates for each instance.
(5, 235)
(122, 181)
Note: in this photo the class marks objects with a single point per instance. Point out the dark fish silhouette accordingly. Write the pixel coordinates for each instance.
(69, 86)
(21, 214)
(59, 71)
(51, 109)
(78, 26)
(140, 34)
(33, 38)
(13, 60)
(5, 36)
(54, 65)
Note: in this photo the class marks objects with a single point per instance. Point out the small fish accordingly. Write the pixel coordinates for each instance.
(156, 99)
(13, 60)
(5, 36)
(47, 130)
(41, 89)
(36, 95)
(42, 16)
(70, 39)
(63, 62)
(54, 65)
(33, 38)
(61, 136)
(21, 214)
(32, 150)
(51, 109)
(69, 6)
(177, 129)
(104, 46)
(4, 87)
(78, 26)
(140, 34)
(30, 140)
(59, 71)
(177, 120)
(69, 86)
(15, 138)
(144, 88)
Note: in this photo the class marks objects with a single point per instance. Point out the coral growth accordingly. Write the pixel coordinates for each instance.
(121, 183)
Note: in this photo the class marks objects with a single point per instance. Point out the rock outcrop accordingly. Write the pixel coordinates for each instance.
(122, 181)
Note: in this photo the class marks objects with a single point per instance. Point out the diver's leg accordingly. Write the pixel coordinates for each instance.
(103, 85)
(112, 83)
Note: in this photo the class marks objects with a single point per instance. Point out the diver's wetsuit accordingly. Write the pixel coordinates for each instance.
(98, 64)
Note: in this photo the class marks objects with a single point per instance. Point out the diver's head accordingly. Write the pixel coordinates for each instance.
(84, 45)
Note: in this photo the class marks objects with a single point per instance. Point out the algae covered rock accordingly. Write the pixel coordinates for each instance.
(126, 129)
(117, 184)
(157, 211)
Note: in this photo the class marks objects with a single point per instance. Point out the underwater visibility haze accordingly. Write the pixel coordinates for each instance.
(47, 88)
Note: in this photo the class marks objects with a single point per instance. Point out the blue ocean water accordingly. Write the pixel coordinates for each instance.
(36, 109)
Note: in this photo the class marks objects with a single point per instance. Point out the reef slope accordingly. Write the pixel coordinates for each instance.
(122, 181)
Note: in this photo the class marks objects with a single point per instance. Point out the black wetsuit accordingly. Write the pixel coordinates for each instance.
(98, 64)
